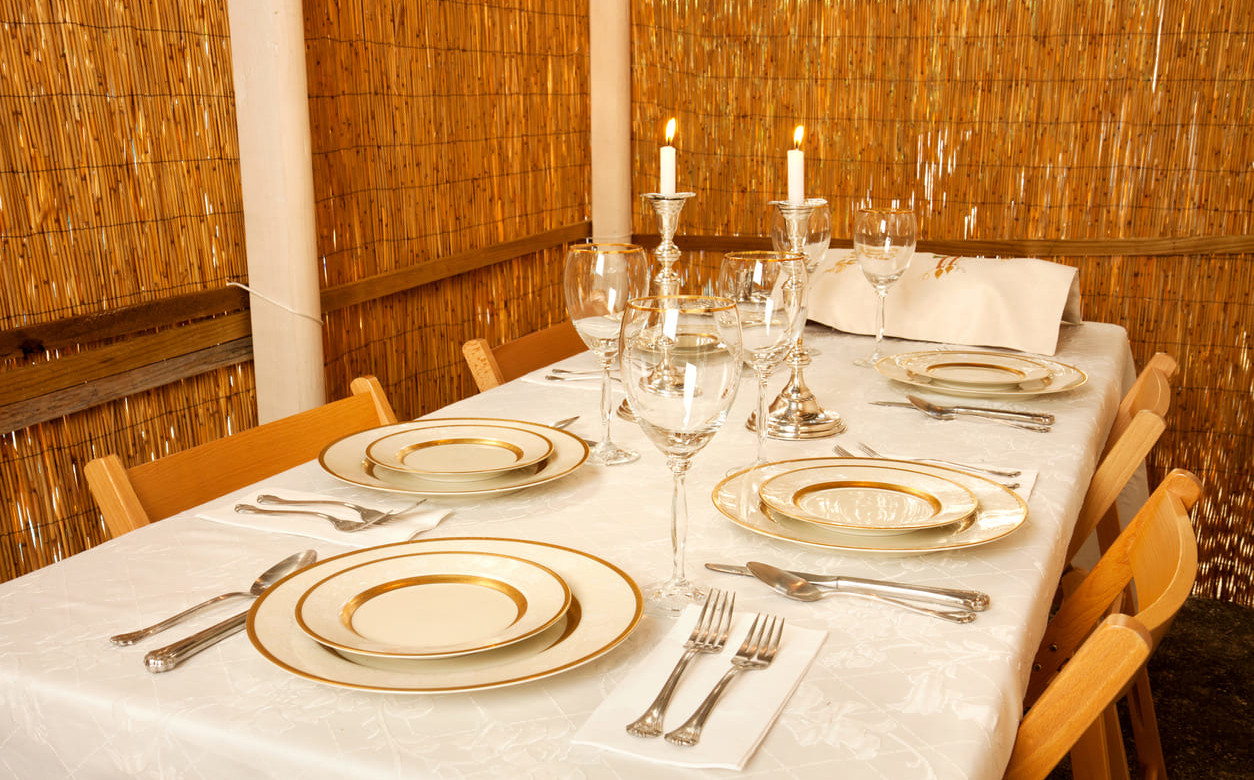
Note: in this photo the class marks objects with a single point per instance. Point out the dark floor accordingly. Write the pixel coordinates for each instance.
(1202, 677)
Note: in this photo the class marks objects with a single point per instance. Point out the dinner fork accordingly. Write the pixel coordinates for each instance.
(758, 651)
(340, 524)
(709, 635)
(968, 467)
(368, 515)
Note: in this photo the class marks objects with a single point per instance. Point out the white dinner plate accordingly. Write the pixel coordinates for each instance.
(976, 370)
(345, 459)
(1060, 379)
(1001, 511)
(458, 452)
(433, 604)
(605, 608)
(880, 499)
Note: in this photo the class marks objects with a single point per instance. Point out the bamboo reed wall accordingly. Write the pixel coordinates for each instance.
(119, 184)
(441, 129)
(1001, 120)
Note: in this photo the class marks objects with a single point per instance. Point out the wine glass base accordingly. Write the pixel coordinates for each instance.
(868, 362)
(610, 454)
(671, 597)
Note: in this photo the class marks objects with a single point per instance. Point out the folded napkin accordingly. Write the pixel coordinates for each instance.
(1018, 303)
(740, 719)
(421, 518)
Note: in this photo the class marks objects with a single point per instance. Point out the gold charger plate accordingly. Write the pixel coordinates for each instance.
(960, 368)
(881, 499)
(1060, 379)
(1001, 511)
(345, 460)
(458, 452)
(606, 606)
(433, 604)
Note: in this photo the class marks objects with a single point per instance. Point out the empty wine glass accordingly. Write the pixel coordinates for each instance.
(817, 239)
(599, 280)
(681, 369)
(770, 313)
(883, 242)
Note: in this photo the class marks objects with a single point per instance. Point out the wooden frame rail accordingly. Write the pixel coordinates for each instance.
(194, 333)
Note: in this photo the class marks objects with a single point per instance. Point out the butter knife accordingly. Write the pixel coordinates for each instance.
(973, 600)
(1041, 418)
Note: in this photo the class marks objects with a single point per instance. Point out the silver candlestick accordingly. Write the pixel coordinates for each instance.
(666, 208)
(795, 413)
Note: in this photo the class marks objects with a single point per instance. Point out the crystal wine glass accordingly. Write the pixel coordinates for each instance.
(883, 242)
(770, 313)
(818, 238)
(599, 280)
(681, 368)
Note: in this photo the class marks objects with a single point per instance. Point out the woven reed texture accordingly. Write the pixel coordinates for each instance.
(119, 184)
(442, 129)
(1000, 120)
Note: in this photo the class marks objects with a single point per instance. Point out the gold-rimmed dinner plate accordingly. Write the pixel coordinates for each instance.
(860, 499)
(1000, 512)
(1060, 379)
(345, 460)
(433, 604)
(459, 452)
(606, 606)
(976, 370)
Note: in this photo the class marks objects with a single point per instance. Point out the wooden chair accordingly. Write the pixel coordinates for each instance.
(1078, 696)
(493, 366)
(1136, 429)
(1157, 555)
(130, 498)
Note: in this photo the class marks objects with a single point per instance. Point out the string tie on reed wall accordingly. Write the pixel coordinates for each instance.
(268, 299)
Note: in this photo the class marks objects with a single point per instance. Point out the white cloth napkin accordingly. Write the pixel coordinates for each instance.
(741, 718)
(421, 518)
(1018, 303)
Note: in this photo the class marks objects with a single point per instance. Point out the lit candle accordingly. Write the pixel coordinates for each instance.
(797, 168)
(667, 184)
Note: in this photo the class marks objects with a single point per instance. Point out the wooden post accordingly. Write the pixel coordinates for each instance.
(609, 22)
(276, 172)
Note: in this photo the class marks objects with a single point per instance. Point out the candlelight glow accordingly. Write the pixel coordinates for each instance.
(670, 131)
(797, 135)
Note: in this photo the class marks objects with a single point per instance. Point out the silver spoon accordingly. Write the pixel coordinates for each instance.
(268, 577)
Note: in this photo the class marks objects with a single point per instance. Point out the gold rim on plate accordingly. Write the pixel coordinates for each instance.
(1061, 378)
(959, 368)
(458, 452)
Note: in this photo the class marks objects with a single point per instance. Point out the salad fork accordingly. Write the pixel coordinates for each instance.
(367, 514)
(757, 652)
(984, 470)
(340, 524)
(709, 635)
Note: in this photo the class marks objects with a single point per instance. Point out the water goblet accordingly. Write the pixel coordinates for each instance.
(770, 312)
(883, 243)
(599, 279)
(681, 368)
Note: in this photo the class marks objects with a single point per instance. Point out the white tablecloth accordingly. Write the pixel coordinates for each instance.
(891, 695)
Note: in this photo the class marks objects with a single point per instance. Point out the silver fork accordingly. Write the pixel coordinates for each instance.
(709, 635)
(995, 472)
(340, 524)
(368, 515)
(757, 652)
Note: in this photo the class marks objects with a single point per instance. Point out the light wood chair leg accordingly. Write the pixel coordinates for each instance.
(1149, 747)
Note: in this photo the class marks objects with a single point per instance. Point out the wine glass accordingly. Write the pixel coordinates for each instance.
(681, 369)
(817, 239)
(599, 280)
(770, 313)
(883, 242)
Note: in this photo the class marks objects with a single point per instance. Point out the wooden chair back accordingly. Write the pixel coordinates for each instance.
(493, 366)
(1078, 696)
(1151, 390)
(136, 496)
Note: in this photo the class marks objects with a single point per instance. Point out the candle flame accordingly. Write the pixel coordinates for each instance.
(797, 135)
(670, 131)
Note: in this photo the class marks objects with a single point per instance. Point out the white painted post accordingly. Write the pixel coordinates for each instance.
(276, 172)
(609, 22)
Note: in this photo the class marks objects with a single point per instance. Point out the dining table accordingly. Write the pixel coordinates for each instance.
(890, 693)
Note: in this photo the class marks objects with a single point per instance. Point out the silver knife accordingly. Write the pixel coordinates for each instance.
(164, 659)
(973, 600)
(1041, 418)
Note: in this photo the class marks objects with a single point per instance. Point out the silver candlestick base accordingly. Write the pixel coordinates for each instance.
(666, 208)
(795, 413)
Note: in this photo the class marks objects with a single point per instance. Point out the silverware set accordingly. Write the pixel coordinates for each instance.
(995, 472)
(709, 636)
(1039, 422)
(369, 517)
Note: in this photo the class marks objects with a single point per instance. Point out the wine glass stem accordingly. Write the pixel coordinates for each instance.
(879, 318)
(606, 401)
(679, 514)
(761, 419)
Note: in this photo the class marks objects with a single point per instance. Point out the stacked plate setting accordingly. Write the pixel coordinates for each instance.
(456, 456)
(981, 374)
(869, 504)
(445, 615)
